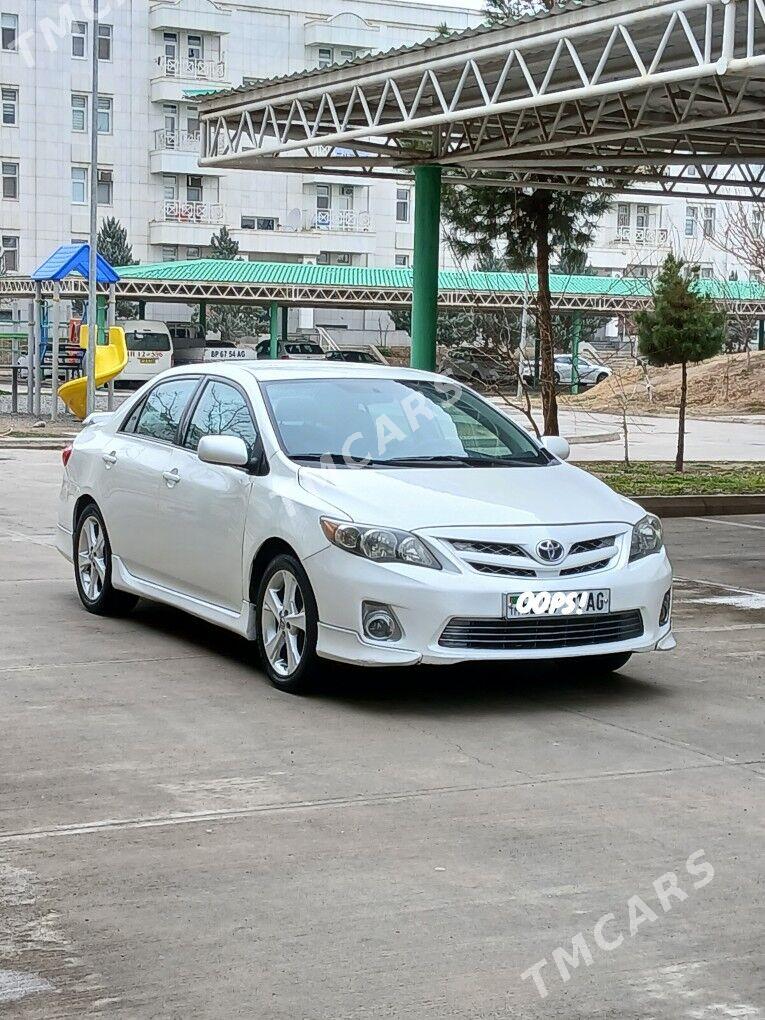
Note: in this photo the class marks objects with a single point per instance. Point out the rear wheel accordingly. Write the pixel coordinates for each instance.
(93, 567)
(602, 377)
(287, 625)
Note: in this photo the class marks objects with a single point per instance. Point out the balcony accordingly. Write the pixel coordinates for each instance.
(179, 211)
(178, 141)
(345, 220)
(642, 237)
(182, 222)
(201, 16)
(177, 152)
(176, 74)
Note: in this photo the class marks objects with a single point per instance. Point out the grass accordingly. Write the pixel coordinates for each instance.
(659, 478)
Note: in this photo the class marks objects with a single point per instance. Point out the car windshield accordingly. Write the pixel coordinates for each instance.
(145, 340)
(387, 422)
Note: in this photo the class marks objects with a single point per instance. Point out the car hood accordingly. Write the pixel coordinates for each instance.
(413, 498)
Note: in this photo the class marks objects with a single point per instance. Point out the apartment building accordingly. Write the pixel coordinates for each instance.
(156, 57)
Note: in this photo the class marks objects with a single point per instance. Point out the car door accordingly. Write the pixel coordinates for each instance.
(205, 505)
(133, 461)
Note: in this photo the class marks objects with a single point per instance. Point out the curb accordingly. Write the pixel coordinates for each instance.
(48, 443)
(596, 437)
(703, 506)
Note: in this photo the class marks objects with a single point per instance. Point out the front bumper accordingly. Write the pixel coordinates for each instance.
(424, 602)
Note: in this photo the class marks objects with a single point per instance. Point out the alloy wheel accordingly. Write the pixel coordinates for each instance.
(283, 623)
(91, 559)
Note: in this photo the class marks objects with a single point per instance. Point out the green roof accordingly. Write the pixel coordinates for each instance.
(307, 274)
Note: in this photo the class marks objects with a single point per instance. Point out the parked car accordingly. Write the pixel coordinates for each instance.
(301, 349)
(470, 365)
(589, 372)
(150, 351)
(370, 515)
(354, 356)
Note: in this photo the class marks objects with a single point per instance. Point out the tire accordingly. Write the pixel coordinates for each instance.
(93, 572)
(556, 378)
(602, 664)
(602, 377)
(287, 648)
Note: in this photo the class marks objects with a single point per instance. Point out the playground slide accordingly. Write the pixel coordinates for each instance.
(111, 359)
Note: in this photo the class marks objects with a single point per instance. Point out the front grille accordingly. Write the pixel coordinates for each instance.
(495, 548)
(586, 568)
(496, 568)
(550, 632)
(592, 544)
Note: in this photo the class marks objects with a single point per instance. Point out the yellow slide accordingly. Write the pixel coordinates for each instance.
(111, 358)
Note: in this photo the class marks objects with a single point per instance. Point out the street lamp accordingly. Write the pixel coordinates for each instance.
(90, 353)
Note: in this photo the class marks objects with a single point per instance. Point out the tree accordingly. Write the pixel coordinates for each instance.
(112, 243)
(232, 321)
(523, 227)
(683, 326)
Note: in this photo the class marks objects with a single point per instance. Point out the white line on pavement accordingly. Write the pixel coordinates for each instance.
(731, 524)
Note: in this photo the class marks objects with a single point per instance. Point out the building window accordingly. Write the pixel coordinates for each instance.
(79, 185)
(705, 273)
(342, 258)
(248, 222)
(10, 101)
(402, 205)
(104, 42)
(193, 188)
(402, 260)
(193, 252)
(192, 120)
(251, 82)
(169, 188)
(323, 197)
(10, 180)
(347, 55)
(79, 113)
(80, 39)
(623, 216)
(104, 119)
(691, 220)
(267, 223)
(169, 253)
(9, 31)
(709, 221)
(195, 47)
(105, 192)
(642, 217)
(9, 253)
(325, 56)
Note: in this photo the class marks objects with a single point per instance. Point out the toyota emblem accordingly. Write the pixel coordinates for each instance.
(550, 551)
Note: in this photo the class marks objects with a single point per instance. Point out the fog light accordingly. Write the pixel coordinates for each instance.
(380, 622)
(666, 605)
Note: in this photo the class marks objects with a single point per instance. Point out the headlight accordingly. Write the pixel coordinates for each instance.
(383, 545)
(646, 537)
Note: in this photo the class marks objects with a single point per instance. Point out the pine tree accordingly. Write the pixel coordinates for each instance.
(683, 326)
(523, 228)
(232, 321)
(112, 243)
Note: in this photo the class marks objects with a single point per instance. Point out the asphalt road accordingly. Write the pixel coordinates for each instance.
(179, 840)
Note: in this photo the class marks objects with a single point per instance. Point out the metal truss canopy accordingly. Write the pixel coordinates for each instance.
(659, 97)
(608, 298)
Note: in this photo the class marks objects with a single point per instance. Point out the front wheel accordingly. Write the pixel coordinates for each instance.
(93, 567)
(287, 625)
(602, 377)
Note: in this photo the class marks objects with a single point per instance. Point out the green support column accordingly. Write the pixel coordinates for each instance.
(141, 309)
(576, 339)
(285, 324)
(761, 335)
(273, 322)
(203, 319)
(427, 223)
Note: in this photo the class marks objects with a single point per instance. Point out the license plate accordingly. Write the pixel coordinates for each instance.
(224, 353)
(586, 603)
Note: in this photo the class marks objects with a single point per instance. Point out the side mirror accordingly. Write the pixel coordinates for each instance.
(228, 450)
(557, 446)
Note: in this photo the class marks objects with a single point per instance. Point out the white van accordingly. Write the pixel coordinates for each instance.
(150, 350)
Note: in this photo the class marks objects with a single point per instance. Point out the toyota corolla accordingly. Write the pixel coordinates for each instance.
(366, 514)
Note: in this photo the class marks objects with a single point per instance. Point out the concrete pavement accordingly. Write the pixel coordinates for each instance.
(179, 840)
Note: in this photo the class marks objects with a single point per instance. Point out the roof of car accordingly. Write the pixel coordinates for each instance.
(298, 369)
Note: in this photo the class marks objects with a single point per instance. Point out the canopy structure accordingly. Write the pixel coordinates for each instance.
(651, 96)
(293, 285)
(73, 258)
(654, 96)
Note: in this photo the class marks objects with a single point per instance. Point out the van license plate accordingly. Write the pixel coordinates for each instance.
(586, 603)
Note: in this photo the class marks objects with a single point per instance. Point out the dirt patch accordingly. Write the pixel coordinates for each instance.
(18, 426)
(729, 384)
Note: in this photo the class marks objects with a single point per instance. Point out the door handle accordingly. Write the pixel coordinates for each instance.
(109, 458)
(171, 477)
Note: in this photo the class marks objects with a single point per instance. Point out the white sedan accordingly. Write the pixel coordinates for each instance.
(366, 514)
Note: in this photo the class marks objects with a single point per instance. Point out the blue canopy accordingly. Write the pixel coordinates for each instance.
(73, 258)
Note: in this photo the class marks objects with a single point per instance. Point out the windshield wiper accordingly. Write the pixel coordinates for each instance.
(464, 460)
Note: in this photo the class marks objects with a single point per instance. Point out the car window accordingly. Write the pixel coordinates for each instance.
(163, 408)
(221, 411)
(146, 340)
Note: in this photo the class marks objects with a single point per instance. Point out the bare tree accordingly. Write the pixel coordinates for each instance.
(744, 236)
